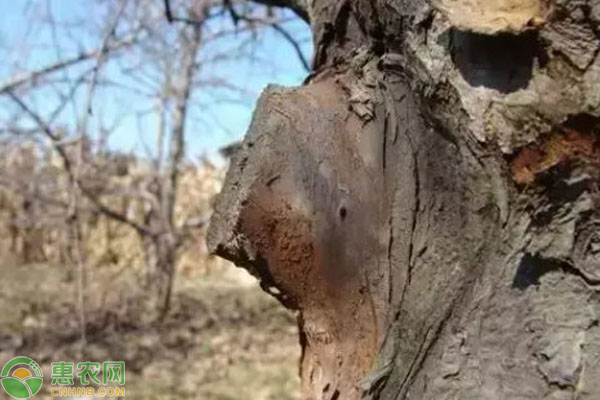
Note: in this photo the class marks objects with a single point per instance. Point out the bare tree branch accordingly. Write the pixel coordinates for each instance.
(76, 187)
(174, 18)
(68, 166)
(101, 53)
(273, 24)
(300, 7)
(168, 13)
(177, 137)
(236, 17)
(31, 77)
(293, 42)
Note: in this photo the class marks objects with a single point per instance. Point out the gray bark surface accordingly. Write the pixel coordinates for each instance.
(428, 200)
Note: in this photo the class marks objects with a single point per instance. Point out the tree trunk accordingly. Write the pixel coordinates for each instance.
(160, 247)
(160, 257)
(428, 200)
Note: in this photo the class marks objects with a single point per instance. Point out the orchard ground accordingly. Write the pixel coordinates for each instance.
(223, 339)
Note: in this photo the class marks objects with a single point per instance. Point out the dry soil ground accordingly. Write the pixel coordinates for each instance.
(224, 338)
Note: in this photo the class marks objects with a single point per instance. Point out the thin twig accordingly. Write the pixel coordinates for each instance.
(33, 76)
(294, 44)
(73, 213)
(236, 17)
(56, 142)
(168, 13)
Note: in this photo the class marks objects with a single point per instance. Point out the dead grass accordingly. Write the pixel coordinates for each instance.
(224, 339)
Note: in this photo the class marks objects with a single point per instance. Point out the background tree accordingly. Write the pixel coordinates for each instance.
(142, 56)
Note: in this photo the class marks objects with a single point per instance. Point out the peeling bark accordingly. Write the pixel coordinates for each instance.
(428, 201)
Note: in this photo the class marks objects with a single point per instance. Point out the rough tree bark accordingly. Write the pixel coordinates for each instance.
(428, 200)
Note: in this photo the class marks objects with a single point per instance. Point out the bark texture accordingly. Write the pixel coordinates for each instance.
(428, 200)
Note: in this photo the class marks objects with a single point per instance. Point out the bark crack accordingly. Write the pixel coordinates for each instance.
(424, 348)
(416, 207)
(385, 134)
(389, 257)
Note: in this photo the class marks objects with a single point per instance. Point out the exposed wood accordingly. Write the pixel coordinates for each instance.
(493, 16)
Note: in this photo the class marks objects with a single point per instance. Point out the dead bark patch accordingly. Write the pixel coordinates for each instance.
(574, 142)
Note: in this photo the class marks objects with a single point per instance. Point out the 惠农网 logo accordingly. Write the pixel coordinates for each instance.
(21, 378)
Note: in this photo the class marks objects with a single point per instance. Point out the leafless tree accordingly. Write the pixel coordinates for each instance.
(160, 60)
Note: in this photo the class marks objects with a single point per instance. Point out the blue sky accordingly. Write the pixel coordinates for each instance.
(218, 115)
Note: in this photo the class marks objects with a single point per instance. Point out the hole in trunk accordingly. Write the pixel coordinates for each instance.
(531, 269)
(503, 62)
(343, 213)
